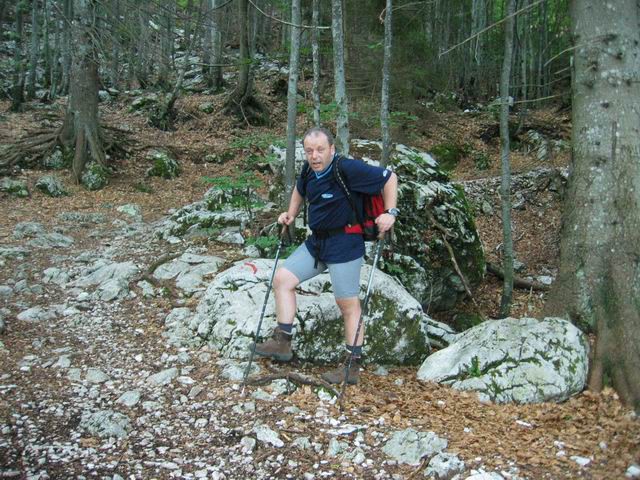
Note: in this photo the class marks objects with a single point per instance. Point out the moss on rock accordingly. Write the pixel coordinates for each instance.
(95, 176)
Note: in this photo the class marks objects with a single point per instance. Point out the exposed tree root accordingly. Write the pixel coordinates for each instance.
(37, 145)
(248, 109)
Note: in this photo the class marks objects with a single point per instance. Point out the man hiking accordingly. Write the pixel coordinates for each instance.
(329, 246)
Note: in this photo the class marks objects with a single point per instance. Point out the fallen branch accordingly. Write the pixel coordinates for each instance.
(445, 233)
(517, 281)
(295, 378)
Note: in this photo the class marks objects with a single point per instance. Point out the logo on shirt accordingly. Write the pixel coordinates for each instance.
(327, 195)
(385, 172)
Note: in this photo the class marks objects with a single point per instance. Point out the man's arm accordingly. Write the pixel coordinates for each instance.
(390, 198)
(295, 203)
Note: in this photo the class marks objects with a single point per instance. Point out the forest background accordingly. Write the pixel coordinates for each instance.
(465, 80)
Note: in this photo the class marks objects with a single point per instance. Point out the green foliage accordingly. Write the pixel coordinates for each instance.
(449, 155)
(328, 112)
(255, 162)
(259, 141)
(143, 187)
(481, 161)
(465, 321)
(95, 176)
(164, 166)
(239, 190)
(474, 369)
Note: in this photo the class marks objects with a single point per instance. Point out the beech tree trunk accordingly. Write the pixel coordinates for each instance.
(386, 74)
(598, 285)
(216, 48)
(66, 46)
(81, 129)
(35, 44)
(342, 115)
(17, 89)
(242, 102)
(292, 97)
(505, 186)
(315, 53)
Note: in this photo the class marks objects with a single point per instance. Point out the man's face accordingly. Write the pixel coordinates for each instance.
(318, 151)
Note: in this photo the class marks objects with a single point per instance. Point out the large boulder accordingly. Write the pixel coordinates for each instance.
(514, 360)
(217, 213)
(228, 313)
(421, 259)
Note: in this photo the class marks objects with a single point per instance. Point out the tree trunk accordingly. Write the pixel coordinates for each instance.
(35, 44)
(46, 54)
(81, 129)
(386, 74)
(115, 45)
(216, 48)
(207, 43)
(17, 89)
(166, 46)
(241, 102)
(140, 64)
(505, 186)
(56, 56)
(598, 284)
(3, 5)
(292, 96)
(66, 46)
(342, 115)
(315, 53)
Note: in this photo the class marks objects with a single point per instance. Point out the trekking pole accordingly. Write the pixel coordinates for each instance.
(365, 303)
(264, 307)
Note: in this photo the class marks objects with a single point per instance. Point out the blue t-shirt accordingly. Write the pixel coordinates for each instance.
(329, 206)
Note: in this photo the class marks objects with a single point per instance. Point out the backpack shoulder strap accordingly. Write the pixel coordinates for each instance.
(339, 176)
(305, 173)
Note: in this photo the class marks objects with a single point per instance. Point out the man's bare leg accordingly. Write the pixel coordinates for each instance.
(351, 311)
(278, 346)
(284, 289)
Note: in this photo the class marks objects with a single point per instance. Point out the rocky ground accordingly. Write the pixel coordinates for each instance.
(89, 387)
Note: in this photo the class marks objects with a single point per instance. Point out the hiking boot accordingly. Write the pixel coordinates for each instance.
(337, 374)
(277, 347)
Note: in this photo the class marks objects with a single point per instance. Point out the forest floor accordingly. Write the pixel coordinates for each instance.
(40, 407)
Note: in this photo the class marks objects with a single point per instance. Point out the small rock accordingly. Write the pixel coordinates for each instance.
(63, 362)
(582, 461)
(444, 466)
(302, 443)
(195, 391)
(51, 185)
(633, 471)
(95, 375)
(381, 371)
(164, 377)
(130, 398)
(266, 435)
(105, 423)
(248, 444)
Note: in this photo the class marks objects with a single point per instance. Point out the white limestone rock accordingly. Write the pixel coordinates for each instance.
(514, 360)
(106, 423)
(410, 446)
(228, 313)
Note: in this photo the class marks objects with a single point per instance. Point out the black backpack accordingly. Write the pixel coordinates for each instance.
(373, 205)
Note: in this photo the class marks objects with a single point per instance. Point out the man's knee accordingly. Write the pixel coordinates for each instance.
(284, 280)
(349, 306)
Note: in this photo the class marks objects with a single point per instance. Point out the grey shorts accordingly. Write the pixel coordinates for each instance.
(345, 277)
